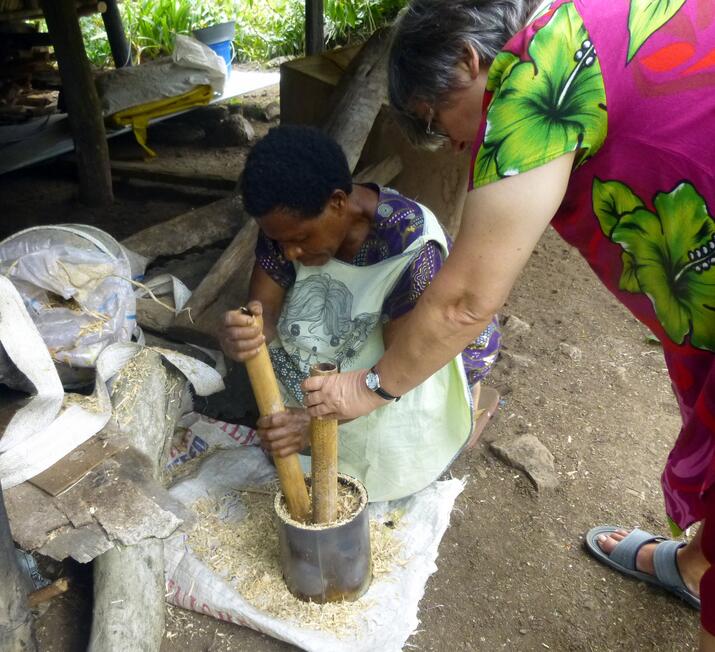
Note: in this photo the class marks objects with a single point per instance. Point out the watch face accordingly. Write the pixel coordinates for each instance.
(372, 381)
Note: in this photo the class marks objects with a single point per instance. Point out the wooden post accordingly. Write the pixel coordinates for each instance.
(313, 27)
(268, 397)
(15, 618)
(324, 459)
(84, 112)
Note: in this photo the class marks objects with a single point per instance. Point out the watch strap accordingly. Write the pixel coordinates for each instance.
(381, 392)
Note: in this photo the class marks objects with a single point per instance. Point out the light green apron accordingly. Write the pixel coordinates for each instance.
(333, 313)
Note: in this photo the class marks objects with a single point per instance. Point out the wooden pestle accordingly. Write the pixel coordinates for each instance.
(324, 459)
(269, 400)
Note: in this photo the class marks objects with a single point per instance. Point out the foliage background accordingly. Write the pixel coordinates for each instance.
(265, 29)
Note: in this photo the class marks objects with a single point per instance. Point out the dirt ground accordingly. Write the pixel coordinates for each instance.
(512, 573)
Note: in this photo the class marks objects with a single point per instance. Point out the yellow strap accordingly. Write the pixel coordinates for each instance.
(138, 117)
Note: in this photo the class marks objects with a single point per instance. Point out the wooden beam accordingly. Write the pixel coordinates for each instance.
(314, 40)
(84, 112)
(380, 173)
(219, 220)
(148, 171)
(358, 97)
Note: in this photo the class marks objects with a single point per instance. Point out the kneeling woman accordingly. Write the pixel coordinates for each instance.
(337, 266)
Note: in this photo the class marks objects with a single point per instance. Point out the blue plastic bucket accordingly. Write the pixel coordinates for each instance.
(224, 49)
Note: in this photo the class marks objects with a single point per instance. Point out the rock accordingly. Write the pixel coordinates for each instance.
(571, 351)
(241, 129)
(517, 360)
(236, 130)
(272, 111)
(250, 110)
(208, 116)
(528, 454)
(514, 327)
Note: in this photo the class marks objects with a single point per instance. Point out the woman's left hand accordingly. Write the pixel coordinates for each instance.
(340, 396)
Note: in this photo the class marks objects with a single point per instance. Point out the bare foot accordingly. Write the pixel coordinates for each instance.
(688, 559)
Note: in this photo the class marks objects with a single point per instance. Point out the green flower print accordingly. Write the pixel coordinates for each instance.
(669, 255)
(545, 107)
(647, 17)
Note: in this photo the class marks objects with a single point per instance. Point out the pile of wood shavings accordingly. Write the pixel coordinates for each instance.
(87, 401)
(247, 556)
(347, 504)
(126, 381)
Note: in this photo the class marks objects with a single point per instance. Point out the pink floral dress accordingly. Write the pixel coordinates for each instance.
(629, 86)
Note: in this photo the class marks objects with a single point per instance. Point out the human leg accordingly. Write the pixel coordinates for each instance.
(691, 561)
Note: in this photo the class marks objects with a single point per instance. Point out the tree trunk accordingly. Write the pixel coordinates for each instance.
(84, 112)
(15, 619)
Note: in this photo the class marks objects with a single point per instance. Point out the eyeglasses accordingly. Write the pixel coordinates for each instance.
(432, 129)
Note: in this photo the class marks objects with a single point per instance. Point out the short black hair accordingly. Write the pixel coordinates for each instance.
(294, 167)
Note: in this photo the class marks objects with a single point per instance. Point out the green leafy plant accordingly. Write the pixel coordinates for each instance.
(265, 29)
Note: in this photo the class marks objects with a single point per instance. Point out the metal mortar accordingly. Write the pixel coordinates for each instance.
(326, 563)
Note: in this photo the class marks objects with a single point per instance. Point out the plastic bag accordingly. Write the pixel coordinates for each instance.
(192, 64)
(75, 281)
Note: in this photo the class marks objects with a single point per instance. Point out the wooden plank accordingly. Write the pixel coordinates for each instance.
(74, 466)
(217, 221)
(84, 112)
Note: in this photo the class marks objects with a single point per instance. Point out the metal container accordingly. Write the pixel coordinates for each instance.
(326, 563)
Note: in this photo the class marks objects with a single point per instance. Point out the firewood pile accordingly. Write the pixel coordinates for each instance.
(29, 81)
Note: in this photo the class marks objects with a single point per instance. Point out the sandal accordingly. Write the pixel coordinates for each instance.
(623, 559)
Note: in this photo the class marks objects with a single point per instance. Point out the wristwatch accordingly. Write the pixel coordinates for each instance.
(372, 380)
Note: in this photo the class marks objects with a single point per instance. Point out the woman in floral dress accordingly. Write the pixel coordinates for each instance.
(597, 117)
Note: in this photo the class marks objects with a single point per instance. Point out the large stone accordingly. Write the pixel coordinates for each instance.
(514, 327)
(528, 454)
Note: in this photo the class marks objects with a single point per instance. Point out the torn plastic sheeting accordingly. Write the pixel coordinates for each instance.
(41, 432)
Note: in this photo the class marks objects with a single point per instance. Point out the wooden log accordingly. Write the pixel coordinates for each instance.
(15, 618)
(129, 599)
(269, 400)
(357, 98)
(380, 173)
(129, 581)
(84, 112)
(217, 221)
(236, 263)
(46, 593)
(148, 171)
(324, 459)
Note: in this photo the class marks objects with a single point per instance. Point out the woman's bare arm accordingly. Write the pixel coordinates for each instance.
(502, 223)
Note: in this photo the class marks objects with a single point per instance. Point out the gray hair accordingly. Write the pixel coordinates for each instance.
(428, 42)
